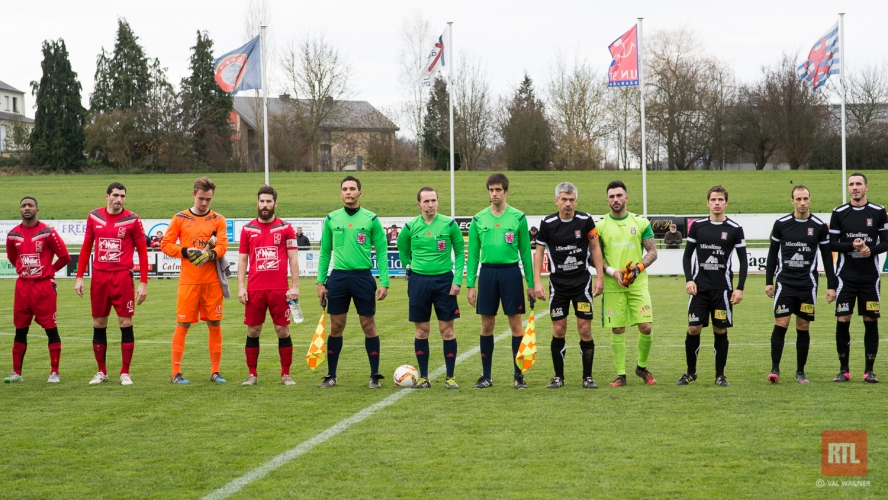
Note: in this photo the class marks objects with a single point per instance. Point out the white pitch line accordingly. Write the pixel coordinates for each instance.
(306, 446)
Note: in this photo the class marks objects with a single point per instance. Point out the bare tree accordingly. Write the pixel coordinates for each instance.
(415, 37)
(472, 103)
(258, 14)
(746, 127)
(867, 97)
(577, 104)
(624, 117)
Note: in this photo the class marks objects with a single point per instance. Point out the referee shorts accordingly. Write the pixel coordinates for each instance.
(866, 295)
(425, 290)
(714, 303)
(799, 301)
(500, 283)
(343, 287)
(564, 291)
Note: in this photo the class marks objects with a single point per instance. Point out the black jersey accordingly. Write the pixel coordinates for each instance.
(868, 223)
(707, 257)
(567, 243)
(792, 257)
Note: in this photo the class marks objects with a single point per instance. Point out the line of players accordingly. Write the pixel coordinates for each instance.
(432, 248)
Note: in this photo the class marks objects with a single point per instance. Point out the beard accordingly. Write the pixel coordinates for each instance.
(265, 214)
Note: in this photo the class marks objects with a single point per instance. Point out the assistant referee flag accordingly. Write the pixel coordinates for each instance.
(527, 352)
(317, 349)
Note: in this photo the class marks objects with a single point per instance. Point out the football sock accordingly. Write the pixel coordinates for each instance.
(486, 355)
(618, 348)
(803, 341)
(778, 338)
(285, 349)
(450, 356)
(55, 349)
(721, 353)
(870, 343)
(178, 348)
(252, 352)
(127, 344)
(334, 347)
(692, 348)
(372, 346)
(843, 343)
(588, 350)
(421, 346)
(19, 347)
(516, 344)
(215, 346)
(100, 346)
(126, 335)
(558, 351)
(644, 348)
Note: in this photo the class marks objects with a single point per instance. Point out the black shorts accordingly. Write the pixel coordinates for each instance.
(424, 291)
(345, 286)
(500, 283)
(714, 303)
(564, 291)
(799, 301)
(865, 294)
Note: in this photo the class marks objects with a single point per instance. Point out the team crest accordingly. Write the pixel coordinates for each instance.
(510, 237)
(442, 245)
(362, 238)
(724, 236)
(869, 223)
(38, 246)
(577, 234)
(810, 231)
(277, 238)
(632, 230)
(121, 232)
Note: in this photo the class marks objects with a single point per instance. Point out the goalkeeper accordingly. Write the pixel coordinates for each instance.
(198, 236)
(626, 300)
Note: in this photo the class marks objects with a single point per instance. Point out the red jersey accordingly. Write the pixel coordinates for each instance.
(116, 237)
(31, 250)
(266, 244)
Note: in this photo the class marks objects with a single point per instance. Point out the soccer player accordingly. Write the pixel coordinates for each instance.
(792, 259)
(31, 247)
(498, 238)
(569, 238)
(710, 281)
(854, 229)
(433, 250)
(201, 236)
(348, 234)
(267, 244)
(626, 300)
(117, 232)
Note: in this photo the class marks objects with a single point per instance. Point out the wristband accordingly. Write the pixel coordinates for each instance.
(640, 267)
(609, 270)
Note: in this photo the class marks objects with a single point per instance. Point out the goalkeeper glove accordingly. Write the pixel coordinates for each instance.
(198, 258)
(630, 273)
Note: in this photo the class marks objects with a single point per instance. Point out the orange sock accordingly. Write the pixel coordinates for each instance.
(215, 347)
(178, 348)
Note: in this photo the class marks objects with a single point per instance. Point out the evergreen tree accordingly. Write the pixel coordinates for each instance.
(100, 99)
(57, 141)
(527, 134)
(436, 126)
(206, 108)
(128, 70)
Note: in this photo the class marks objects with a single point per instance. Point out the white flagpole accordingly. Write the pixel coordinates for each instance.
(842, 78)
(644, 188)
(264, 98)
(449, 60)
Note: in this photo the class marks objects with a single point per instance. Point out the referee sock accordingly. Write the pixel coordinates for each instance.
(127, 345)
(19, 347)
(100, 347)
(334, 347)
(450, 356)
(692, 348)
(486, 346)
(372, 346)
(421, 346)
(215, 346)
(618, 348)
(778, 339)
(803, 341)
(285, 350)
(252, 352)
(516, 344)
(178, 349)
(55, 349)
(870, 343)
(721, 353)
(558, 350)
(644, 348)
(843, 343)
(588, 350)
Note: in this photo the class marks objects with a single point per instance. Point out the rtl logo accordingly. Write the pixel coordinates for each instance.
(843, 453)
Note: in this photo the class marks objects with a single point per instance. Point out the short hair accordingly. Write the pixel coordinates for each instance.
(566, 188)
(615, 185)
(717, 189)
(858, 174)
(266, 189)
(350, 178)
(204, 184)
(425, 188)
(799, 187)
(500, 179)
(115, 185)
(28, 198)
(298, 227)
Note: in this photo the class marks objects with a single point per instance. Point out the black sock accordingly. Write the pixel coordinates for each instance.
(421, 346)
(558, 356)
(486, 355)
(334, 347)
(21, 335)
(52, 334)
(516, 344)
(803, 341)
(252, 342)
(588, 350)
(450, 356)
(283, 342)
(372, 346)
(778, 338)
(843, 343)
(692, 348)
(870, 343)
(126, 335)
(100, 336)
(721, 353)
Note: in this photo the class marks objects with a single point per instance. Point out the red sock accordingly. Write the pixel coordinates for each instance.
(252, 359)
(126, 351)
(18, 356)
(55, 353)
(99, 351)
(286, 359)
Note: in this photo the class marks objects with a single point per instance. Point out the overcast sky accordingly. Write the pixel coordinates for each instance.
(509, 37)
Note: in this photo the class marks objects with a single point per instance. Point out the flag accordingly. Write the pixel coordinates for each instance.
(527, 351)
(317, 350)
(823, 60)
(623, 71)
(433, 64)
(241, 68)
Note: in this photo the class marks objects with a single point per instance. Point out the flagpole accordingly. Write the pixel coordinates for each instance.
(448, 53)
(842, 78)
(644, 192)
(264, 98)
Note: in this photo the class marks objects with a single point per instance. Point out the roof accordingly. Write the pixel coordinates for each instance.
(6, 117)
(352, 115)
(6, 86)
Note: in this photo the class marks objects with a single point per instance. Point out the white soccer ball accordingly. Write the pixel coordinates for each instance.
(406, 376)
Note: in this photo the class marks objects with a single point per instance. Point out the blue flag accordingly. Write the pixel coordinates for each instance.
(240, 69)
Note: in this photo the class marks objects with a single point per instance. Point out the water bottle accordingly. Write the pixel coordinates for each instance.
(295, 311)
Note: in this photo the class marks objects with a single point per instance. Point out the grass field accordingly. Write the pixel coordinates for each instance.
(394, 193)
(158, 440)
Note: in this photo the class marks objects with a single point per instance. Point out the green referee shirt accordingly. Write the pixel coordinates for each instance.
(621, 242)
(427, 248)
(349, 238)
(504, 240)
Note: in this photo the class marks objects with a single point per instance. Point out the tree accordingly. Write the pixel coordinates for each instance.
(472, 111)
(525, 130)
(436, 125)
(100, 99)
(415, 37)
(867, 97)
(578, 108)
(128, 70)
(57, 140)
(624, 117)
(746, 127)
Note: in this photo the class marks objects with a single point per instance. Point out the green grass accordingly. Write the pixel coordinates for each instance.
(157, 440)
(394, 193)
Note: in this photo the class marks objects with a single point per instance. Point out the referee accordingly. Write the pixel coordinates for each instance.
(348, 234)
(569, 238)
(433, 250)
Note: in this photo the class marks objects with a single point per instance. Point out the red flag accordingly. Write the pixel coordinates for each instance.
(623, 71)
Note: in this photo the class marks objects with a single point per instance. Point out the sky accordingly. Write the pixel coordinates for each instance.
(508, 37)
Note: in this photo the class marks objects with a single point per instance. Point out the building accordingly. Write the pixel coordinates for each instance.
(12, 112)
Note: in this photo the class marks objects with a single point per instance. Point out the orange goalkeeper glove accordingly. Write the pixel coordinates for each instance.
(631, 272)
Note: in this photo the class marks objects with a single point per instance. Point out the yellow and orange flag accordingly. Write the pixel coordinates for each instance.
(317, 350)
(527, 352)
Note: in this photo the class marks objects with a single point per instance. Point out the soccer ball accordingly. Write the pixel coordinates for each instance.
(406, 376)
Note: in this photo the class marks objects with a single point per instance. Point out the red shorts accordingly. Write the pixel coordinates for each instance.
(112, 288)
(274, 301)
(34, 299)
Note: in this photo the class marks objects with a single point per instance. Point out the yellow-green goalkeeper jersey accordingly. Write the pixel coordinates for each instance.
(433, 248)
(349, 239)
(620, 243)
(499, 240)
